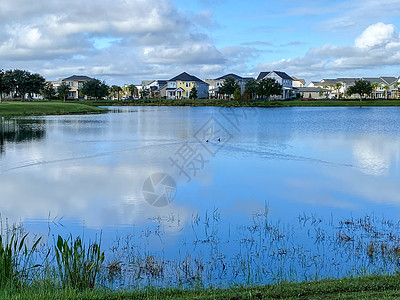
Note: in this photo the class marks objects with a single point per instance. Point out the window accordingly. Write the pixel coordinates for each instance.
(187, 94)
(172, 84)
(70, 83)
(187, 84)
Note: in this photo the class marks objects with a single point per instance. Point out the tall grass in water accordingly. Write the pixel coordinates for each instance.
(15, 260)
(78, 267)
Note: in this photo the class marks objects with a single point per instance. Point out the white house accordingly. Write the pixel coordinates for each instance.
(283, 79)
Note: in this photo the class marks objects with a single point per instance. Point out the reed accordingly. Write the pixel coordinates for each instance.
(78, 265)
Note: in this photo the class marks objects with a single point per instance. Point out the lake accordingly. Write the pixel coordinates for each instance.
(244, 195)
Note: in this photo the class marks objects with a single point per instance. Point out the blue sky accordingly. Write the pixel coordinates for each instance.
(127, 41)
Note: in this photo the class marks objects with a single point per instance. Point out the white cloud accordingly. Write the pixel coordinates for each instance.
(68, 37)
(377, 46)
(377, 35)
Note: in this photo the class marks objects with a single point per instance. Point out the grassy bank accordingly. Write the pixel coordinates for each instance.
(253, 103)
(46, 108)
(371, 287)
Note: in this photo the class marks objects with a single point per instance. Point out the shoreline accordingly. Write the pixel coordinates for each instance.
(250, 103)
(24, 109)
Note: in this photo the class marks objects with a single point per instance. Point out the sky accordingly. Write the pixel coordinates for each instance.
(127, 41)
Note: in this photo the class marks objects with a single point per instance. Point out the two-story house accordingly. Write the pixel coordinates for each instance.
(75, 84)
(283, 79)
(180, 86)
(215, 84)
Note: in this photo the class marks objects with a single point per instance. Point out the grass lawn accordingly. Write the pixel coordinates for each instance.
(371, 287)
(46, 108)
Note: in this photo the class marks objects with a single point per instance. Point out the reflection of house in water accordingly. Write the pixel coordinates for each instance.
(20, 131)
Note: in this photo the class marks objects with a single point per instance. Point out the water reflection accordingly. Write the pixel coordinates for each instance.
(20, 130)
(92, 168)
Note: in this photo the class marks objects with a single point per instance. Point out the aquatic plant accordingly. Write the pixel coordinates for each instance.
(15, 259)
(78, 268)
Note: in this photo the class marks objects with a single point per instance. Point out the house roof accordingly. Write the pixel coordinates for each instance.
(77, 78)
(236, 77)
(301, 80)
(186, 77)
(389, 80)
(282, 75)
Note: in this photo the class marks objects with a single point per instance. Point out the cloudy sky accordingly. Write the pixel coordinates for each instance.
(127, 41)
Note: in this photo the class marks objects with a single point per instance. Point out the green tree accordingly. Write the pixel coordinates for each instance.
(338, 86)
(48, 91)
(36, 83)
(386, 88)
(269, 87)
(23, 82)
(144, 93)
(193, 93)
(95, 88)
(396, 89)
(63, 91)
(116, 90)
(229, 86)
(361, 87)
(133, 90)
(237, 95)
(252, 87)
(2, 87)
(375, 87)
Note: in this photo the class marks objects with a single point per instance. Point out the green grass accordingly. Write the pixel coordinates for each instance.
(253, 103)
(371, 287)
(46, 108)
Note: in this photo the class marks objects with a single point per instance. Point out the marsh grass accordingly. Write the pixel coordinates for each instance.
(215, 255)
(16, 256)
(78, 265)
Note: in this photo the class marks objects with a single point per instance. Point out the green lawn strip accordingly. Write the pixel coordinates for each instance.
(46, 108)
(248, 103)
(371, 287)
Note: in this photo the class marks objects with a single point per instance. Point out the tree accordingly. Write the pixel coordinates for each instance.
(133, 90)
(2, 88)
(396, 89)
(144, 93)
(116, 90)
(361, 87)
(95, 88)
(193, 93)
(251, 87)
(229, 86)
(375, 87)
(338, 86)
(23, 82)
(386, 88)
(269, 87)
(237, 95)
(36, 83)
(63, 91)
(48, 91)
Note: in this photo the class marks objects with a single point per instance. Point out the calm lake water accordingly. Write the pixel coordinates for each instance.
(160, 176)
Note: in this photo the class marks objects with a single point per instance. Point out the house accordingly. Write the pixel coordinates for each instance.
(180, 86)
(215, 84)
(283, 79)
(75, 83)
(152, 86)
(384, 87)
(298, 82)
(313, 92)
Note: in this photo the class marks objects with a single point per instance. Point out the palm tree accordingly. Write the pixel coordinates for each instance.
(338, 86)
(375, 87)
(386, 88)
(396, 88)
